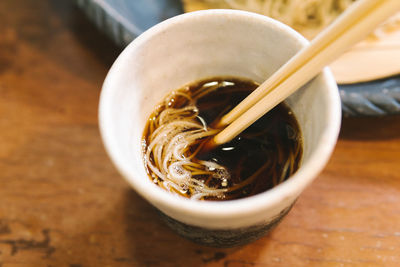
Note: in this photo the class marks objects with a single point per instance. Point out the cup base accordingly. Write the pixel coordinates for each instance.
(223, 238)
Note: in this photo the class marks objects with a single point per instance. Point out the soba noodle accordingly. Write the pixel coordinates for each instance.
(306, 16)
(176, 131)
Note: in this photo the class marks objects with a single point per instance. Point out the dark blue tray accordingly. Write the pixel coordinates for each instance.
(123, 20)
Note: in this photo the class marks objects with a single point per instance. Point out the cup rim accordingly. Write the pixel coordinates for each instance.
(238, 207)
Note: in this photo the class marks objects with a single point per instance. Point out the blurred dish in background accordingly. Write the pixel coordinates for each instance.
(308, 17)
(375, 58)
(123, 20)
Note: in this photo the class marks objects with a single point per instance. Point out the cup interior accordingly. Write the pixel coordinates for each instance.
(204, 44)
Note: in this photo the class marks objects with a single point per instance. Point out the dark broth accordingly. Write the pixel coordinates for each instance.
(264, 155)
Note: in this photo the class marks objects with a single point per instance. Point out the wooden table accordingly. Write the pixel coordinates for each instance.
(62, 203)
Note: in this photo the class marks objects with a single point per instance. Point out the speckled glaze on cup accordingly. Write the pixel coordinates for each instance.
(200, 45)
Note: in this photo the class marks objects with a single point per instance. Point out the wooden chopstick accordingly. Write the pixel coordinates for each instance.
(352, 26)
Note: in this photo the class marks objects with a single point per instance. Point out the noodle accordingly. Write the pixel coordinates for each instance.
(178, 128)
(306, 16)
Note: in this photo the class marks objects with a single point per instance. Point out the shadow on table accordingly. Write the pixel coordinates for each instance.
(370, 128)
(154, 244)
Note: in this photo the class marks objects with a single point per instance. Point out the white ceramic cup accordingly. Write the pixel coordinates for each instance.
(200, 45)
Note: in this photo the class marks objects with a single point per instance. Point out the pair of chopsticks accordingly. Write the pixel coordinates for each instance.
(352, 26)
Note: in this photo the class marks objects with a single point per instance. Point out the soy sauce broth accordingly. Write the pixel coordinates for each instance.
(264, 155)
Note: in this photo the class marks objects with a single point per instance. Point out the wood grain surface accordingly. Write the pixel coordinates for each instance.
(62, 203)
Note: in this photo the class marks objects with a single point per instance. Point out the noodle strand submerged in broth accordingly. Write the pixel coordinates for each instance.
(261, 157)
